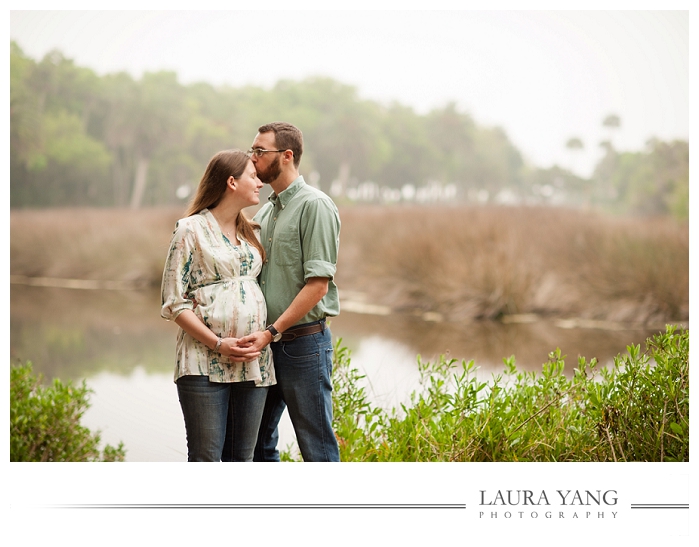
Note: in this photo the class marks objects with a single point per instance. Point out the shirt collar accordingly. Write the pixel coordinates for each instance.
(286, 195)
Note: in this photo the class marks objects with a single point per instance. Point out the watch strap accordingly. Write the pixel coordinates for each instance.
(276, 335)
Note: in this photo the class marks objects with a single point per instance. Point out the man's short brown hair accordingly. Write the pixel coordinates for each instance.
(286, 137)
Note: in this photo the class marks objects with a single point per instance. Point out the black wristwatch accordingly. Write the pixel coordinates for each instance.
(276, 335)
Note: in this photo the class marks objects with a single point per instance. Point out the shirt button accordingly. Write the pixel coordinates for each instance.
(270, 239)
(263, 282)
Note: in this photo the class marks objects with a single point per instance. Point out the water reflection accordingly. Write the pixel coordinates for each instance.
(488, 342)
(141, 410)
(117, 341)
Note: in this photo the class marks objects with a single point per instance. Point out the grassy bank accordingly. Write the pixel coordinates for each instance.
(482, 263)
(637, 410)
(91, 244)
(460, 263)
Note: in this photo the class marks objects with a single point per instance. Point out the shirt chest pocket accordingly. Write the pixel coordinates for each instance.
(286, 250)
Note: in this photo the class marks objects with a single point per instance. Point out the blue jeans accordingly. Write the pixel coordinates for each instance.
(303, 368)
(222, 420)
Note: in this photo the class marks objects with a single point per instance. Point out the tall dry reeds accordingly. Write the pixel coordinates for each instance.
(459, 262)
(482, 263)
(91, 244)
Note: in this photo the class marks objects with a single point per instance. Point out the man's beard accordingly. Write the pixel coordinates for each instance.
(272, 173)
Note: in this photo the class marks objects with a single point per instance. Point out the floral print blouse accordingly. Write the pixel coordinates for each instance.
(207, 273)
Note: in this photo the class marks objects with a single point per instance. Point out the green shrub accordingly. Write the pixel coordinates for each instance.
(45, 422)
(635, 410)
(641, 407)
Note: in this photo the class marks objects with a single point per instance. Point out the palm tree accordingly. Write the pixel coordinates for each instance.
(612, 122)
(575, 145)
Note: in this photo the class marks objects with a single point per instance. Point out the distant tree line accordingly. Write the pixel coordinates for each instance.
(80, 139)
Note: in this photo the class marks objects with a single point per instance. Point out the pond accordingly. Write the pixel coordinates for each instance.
(116, 341)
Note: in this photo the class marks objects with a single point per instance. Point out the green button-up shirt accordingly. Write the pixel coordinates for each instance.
(300, 231)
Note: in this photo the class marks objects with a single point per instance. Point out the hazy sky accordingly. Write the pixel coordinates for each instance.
(543, 76)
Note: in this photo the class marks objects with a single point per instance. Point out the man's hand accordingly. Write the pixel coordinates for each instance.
(256, 340)
(238, 351)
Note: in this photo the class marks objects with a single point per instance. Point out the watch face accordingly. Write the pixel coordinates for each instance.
(276, 336)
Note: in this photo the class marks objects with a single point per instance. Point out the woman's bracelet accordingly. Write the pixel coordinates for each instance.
(218, 344)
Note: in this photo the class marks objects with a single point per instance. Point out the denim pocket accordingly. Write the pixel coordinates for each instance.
(301, 348)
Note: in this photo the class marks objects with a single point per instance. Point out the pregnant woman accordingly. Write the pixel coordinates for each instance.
(210, 290)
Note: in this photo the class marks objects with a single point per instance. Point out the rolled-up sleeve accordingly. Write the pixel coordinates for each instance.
(177, 272)
(320, 238)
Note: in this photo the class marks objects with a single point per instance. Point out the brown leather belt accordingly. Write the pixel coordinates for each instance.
(295, 332)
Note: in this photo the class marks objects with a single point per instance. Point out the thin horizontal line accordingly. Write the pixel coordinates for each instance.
(260, 506)
(659, 506)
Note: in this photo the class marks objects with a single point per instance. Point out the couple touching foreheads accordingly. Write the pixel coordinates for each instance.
(251, 299)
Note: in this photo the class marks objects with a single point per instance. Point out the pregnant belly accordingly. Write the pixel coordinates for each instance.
(232, 309)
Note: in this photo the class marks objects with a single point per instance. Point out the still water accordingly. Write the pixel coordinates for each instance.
(118, 343)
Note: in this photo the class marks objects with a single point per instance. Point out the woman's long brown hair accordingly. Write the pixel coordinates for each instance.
(212, 187)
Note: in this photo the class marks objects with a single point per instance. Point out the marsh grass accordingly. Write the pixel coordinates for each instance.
(643, 264)
(91, 244)
(461, 263)
(636, 410)
(483, 263)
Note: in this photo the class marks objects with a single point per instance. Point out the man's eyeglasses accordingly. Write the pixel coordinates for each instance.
(259, 151)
